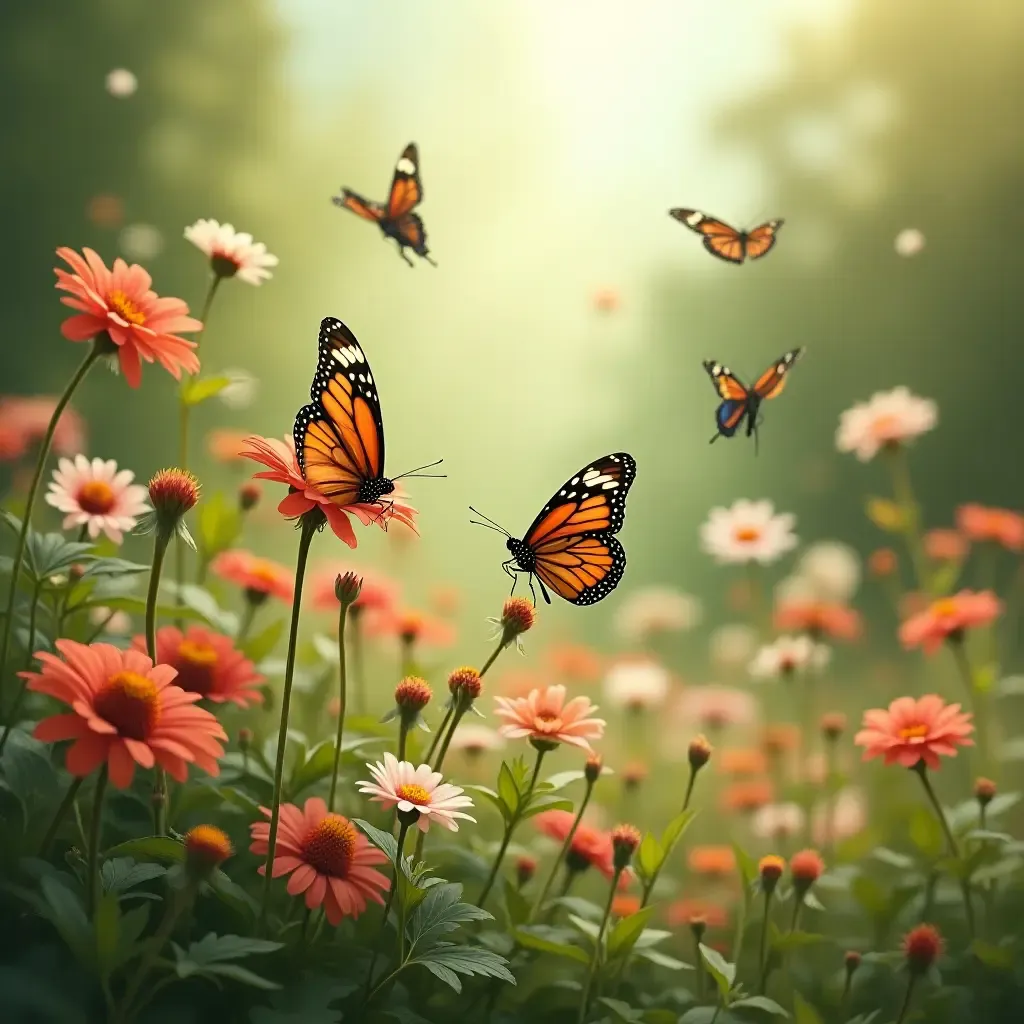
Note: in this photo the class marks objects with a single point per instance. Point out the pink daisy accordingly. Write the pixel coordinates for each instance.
(910, 730)
(546, 715)
(95, 495)
(401, 784)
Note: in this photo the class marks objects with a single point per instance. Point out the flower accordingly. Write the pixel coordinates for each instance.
(606, 300)
(698, 753)
(574, 663)
(95, 495)
(206, 848)
(121, 83)
(948, 618)
(749, 531)
(852, 960)
(208, 664)
(711, 860)
(844, 816)
(922, 946)
(24, 422)
(732, 646)
(411, 627)
(715, 707)
(283, 467)
(945, 545)
(634, 774)
(984, 791)
(909, 242)
(779, 737)
(120, 304)
(377, 594)
(593, 768)
(125, 712)
(637, 684)
(625, 840)
(742, 761)
(770, 870)
(883, 563)
(832, 725)
(832, 569)
(526, 868)
(259, 577)
(697, 909)
(517, 617)
(625, 905)
(805, 868)
(656, 610)
(787, 656)
(887, 420)
(545, 716)
(242, 390)
(590, 847)
(912, 730)
(475, 739)
(249, 495)
(818, 619)
(997, 525)
(403, 785)
(777, 821)
(465, 685)
(412, 695)
(232, 253)
(327, 857)
(347, 586)
(747, 795)
(226, 445)
(173, 492)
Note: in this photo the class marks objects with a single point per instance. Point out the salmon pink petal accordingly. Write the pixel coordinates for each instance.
(131, 367)
(340, 525)
(120, 764)
(301, 879)
(282, 865)
(316, 892)
(83, 327)
(294, 505)
(86, 754)
(140, 752)
(60, 727)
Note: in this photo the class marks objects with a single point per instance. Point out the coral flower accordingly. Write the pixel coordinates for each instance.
(95, 495)
(232, 253)
(574, 663)
(888, 420)
(696, 909)
(922, 946)
(411, 627)
(226, 445)
(546, 716)
(125, 712)
(945, 545)
(258, 576)
(818, 619)
(590, 847)
(207, 663)
(998, 525)
(377, 594)
(403, 785)
(747, 795)
(25, 420)
(915, 730)
(948, 619)
(327, 857)
(749, 531)
(121, 304)
(741, 761)
(283, 467)
(625, 905)
(712, 860)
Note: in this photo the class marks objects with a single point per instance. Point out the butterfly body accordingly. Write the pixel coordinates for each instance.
(726, 242)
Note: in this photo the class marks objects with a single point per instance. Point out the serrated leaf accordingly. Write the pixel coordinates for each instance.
(113, 567)
(49, 554)
(440, 912)
(382, 840)
(446, 961)
(161, 849)
(308, 1000)
(120, 874)
(214, 949)
(200, 389)
(760, 1003)
(626, 931)
(719, 968)
(531, 940)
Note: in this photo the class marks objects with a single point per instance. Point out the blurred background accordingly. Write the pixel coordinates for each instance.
(553, 140)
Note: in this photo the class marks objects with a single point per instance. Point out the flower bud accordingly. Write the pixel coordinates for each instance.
(633, 775)
(592, 769)
(984, 791)
(699, 752)
(526, 868)
(249, 495)
(172, 493)
(770, 869)
(464, 684)
(805, 867)
(852, 960)
(347, 587)
(698, 926)
(833, 725)
(882, 563)
(625, 840)
(517, 617)
(244, 739)
(412, 695)
(922, 946)
(206, 848)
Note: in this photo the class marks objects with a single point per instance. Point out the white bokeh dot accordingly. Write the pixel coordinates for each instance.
(909, 242)
(121, 83)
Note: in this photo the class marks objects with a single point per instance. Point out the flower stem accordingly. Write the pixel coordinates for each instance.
(160, 784)
(458, 711)
(798, 905)
(60, 814)
(403, 829)
(30, 500)
(493, 658)
(762, 957)
(649, 885)
(560, 859)
(342, 704)
(95, 827)
(442, 730)
(904, 493)
(977, 699)
(595, 957)
(308, 529)
(245, 624)
(12, 718)
(403, 736)
(911, 982)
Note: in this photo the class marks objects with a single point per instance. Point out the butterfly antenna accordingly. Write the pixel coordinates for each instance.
(489, 523)
(416, 472)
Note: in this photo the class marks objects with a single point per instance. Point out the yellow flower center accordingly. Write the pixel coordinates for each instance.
(265, 573)
(946, 608)
(913, 732)
(414, 794)
(746, 534)
(547, 722)
(330, 846)
(96, 497)
(197, 667)
(131, 703)
(125, 308)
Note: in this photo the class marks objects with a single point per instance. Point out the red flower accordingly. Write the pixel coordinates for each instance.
(712, 860)
(257, 575)
(590, 847)
(697, 909)
(945, 545)
(922, 946)
(948, 618)
(915, 730)
(411, 626)
(806, 867)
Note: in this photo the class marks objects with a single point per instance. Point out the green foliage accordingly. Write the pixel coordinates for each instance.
(220, 525)
(197, 390)
(447, 961)
(536, 937)
(213, 957)
(723, 972)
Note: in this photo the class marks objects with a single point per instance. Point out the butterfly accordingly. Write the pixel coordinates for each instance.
(395, 218)
(727, 243)
(571, 546)
(339, 436)
(738, 401)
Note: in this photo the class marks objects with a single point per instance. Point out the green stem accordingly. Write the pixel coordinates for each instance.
(560, 859)
(30, 501)
(911, 982)
(904, 493)
(762, 957)
(493, 658)
(248, 615)
(459, 710)
(160, 783)
(95, 828)
(403, 829)
(595, 957)
(649, 885)
(342, 704)
(798, 905)
(403, 736)
(977, 701)
(29, 656)
(308, 529)
(61, 813)
(442, 729)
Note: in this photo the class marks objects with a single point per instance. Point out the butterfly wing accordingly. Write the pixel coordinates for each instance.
(773, 380)
(761, 240)
(720, 239)
(406, 189)
(339, 436)
(365, 208)
(572, 539)
(409, 230)
(735, 397)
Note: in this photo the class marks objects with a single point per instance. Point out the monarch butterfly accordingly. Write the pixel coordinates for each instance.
(739, 401)
(727, 243)
(571, 546)
(339, 436)
(396, 219)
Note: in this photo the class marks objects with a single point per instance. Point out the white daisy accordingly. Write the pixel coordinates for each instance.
(654, 610)
(232, 253)
(637, 683)
(887, 419)
(733, 645)
(832, 569)
(787, 656)
(749, 531)
(95, 495)
(401, 784)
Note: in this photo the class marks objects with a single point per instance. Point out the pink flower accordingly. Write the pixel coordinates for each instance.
(257, 576)
(24, 422)
(545, 715)
(888, 419)
(401, 784)
(283, 467)
(844, 816)
(915, 730)
(715, 707)
(95, 495)
(948, 618)
(945, 545)
(999, 525)
(818, 619)
(120, 303)
(411, 627)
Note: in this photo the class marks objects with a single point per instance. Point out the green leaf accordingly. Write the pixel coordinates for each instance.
(888, 515)
(262, 644)
(674, 830)
(446, 961)
(784, 942)
(215, 949)
(926, 833)
(318, 764)
(649, 858)
(240, 974)
(27, 772)
(199, 599)
(999, 957)
(49, 554)
(984, 835)
(531, 940)
(137, 606)
(747, 868)
(199, 389)
(132, 925)
(623, 936)
(508, 791)
(660, 959)
(307, 1000)
(440, 912)
(545, 802)
(382, 840)
(581, 907)
(892, 858)
(67, 915)
(107, 927)
(705, 1015)
(410, 895)
(489, 795)
(622, 1011)
(113, 567)
(869, 895)
(517, 906)
(233, 895)
(120, 874)
(803, 1012)
(719, 968)
(760, 1003)
(563, 779)
(161, 849)
(588, 928)
(220, 525)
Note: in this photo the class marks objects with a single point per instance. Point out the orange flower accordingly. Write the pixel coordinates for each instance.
(574, 663)
(883, 562)
(208, 664)
(625, 905)
(226, 445)
(945, 545)
(590, 847)
(206, 847)
(24, 422)
(818, 619)
(712, 860)
(126, 712)
(780, 737)
(378, 593)
(411, 626)
(741, 761)
(606, 300)
(121, 304)
(748, 795)
(922, 946)
(546, 716)
(915, 730)
(697, 909)
(257, 576)
(948, 618)
(998, 525)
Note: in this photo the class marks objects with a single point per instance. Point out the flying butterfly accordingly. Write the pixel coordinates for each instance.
(726, 242)
(571, 547)
(395, 217)
(738, 401)
(339, 436)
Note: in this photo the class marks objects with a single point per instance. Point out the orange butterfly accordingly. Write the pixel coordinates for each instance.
(571, 545)
(339, 437)
(396, 219)
(727, 243)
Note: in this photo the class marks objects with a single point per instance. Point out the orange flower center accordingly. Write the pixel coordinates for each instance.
(130, 702)
(913, 732)
(330, 846)
(887, 426)
(96, 497)
(126, 309)
(946, 608)
(265, 574)
(746, 534)
(547, 722)
(197, 667)
(414, 794)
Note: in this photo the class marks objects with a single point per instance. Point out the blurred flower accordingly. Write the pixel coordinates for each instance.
(732, 646)
(922, 946)
(446, 599)
(711, 860)
(636, 683)
(656, 610)
(883, 563)
(715, 707)
(747, 795)
(845, 815)
(226, 445)
(95, 495)
(328, 858)
(777, 821)
(25, 420)
(998, 525)
(403, 785)
(249, 495)
(945, 545)
(411, 626)
(948, 618)
(832, 569)
(520, 682)
(121, 83)
(105, 211)
(912, 730)
(257, 576)
(698, 752)
(697, 909)
(231, 253)
(633, 774)
(126, 712)
(749, 531)
(242, 391)
(590, 847)
(526, 868)
(805, 868)
(779, 738)
(208, 664)
(984, 791)
(832, 725)
(545, 716)
(379, 593)
(909, 242)
(475, 739)
(770, 870)
(625, 905)
(120, 304)
(606, 300)
(788, 656)
(887, 420)
(574, 663)
(741, 761)
(283, 467)
(140, 241)
(118, 623)
(818, 619)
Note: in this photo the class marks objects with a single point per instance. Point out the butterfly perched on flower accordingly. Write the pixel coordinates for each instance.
(726, 242)
(739, 402)
(339, 436)
(395, 217)
(571, 547)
